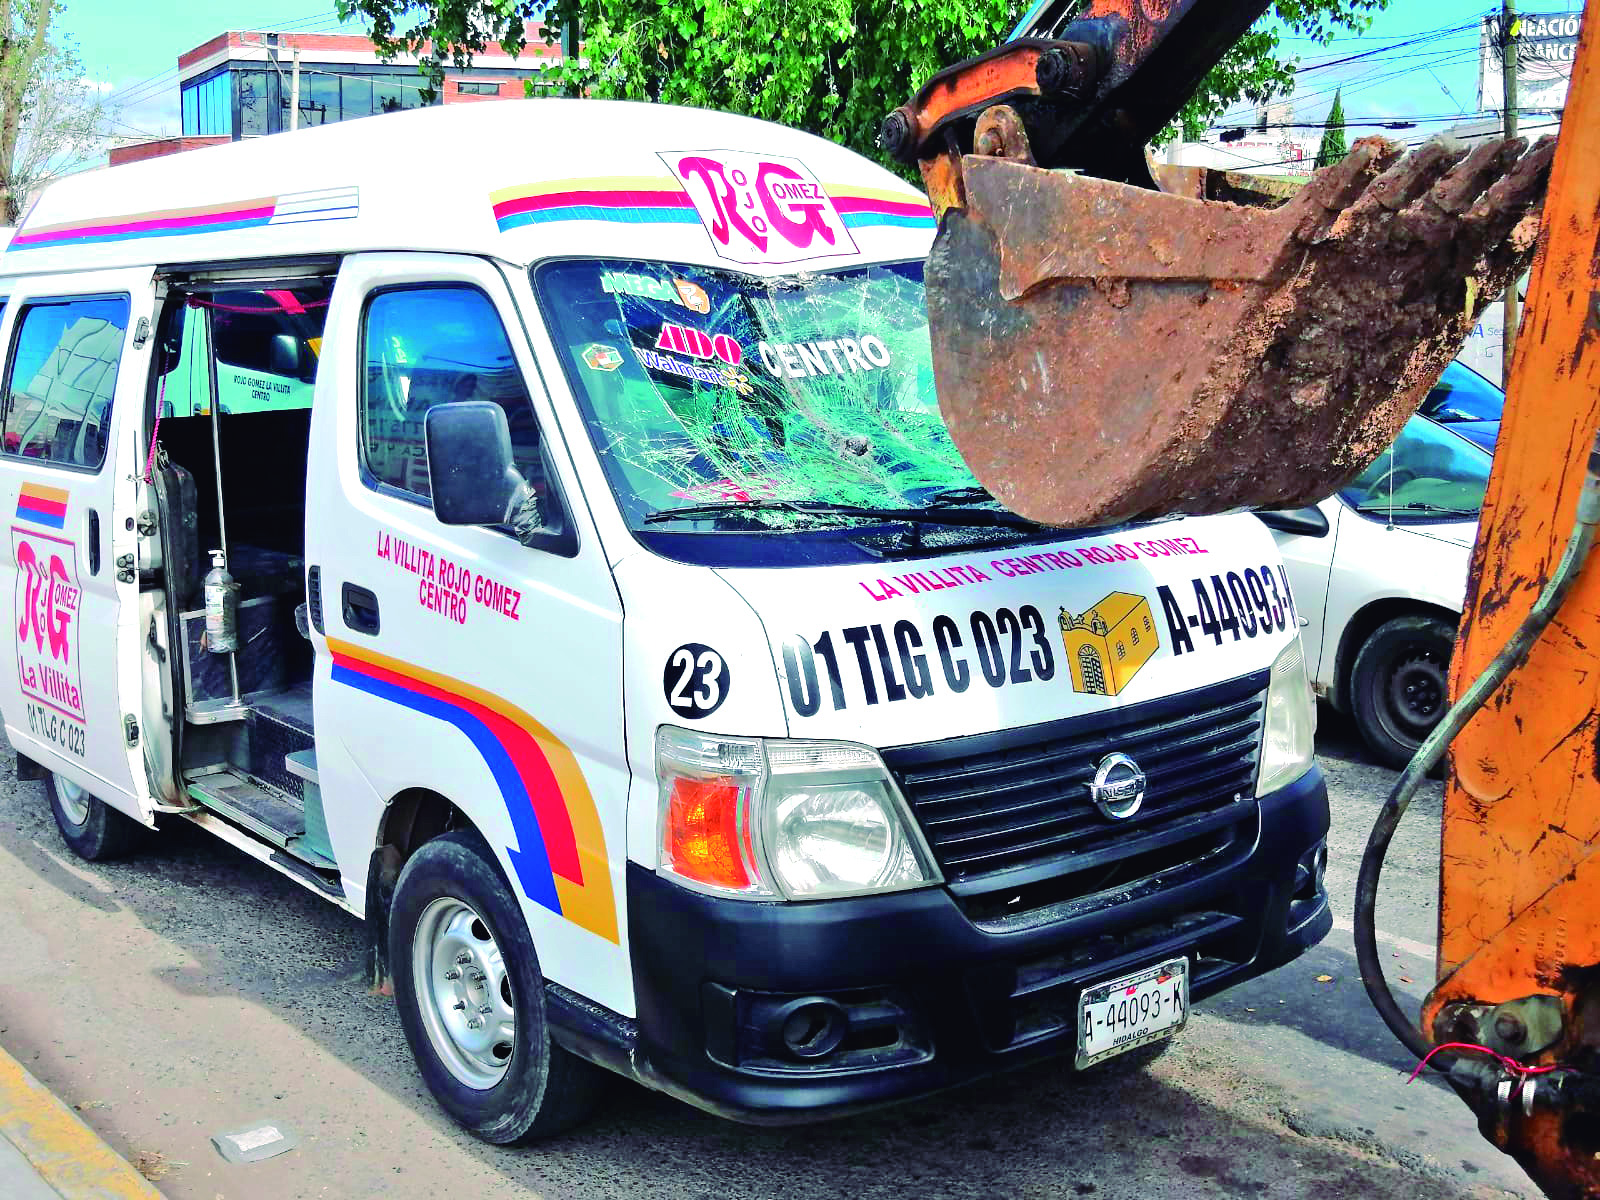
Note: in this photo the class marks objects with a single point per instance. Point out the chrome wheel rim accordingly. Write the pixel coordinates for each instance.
(74, 801)
(464, 993)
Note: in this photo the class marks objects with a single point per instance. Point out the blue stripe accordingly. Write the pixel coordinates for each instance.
(39, 518)
(531, 862)
(131, 234)
(594, 212)
(862, 220)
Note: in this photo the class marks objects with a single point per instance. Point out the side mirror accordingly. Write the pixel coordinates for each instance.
(283, 355)
(1307, 522)
(470, 471)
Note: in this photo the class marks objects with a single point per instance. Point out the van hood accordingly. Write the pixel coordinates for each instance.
(905, 652)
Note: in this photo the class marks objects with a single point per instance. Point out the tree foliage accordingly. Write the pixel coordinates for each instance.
(833, 67)
(50, 120)
(1333, 146)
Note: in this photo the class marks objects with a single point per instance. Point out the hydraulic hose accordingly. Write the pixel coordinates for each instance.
(1512, 656)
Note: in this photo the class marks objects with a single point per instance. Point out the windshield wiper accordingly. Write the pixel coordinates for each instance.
(1418, 506)
(932, 515)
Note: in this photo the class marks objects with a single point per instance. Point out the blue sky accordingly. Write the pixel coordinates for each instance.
(1435, 78)
(133, 45)
(137, 55)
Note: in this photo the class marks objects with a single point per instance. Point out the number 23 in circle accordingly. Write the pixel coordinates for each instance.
(695, 680)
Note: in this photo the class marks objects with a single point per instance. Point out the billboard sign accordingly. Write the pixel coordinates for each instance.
(1546, 44)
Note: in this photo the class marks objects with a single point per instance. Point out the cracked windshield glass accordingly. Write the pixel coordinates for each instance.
(721, 401)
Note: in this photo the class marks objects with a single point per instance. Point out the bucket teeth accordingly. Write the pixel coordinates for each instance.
(1106, 353)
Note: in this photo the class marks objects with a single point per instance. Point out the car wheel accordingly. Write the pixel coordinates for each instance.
(1399, 685)
(91, 828)
(471, 999)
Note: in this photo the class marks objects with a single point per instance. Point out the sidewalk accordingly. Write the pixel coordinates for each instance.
(47, 1153)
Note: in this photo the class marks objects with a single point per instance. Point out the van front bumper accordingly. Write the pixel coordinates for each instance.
(916, 995)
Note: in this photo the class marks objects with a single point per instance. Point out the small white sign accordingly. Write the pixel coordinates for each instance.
(760, 208)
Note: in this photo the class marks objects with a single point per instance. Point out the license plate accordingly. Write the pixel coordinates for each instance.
(1133, 1011)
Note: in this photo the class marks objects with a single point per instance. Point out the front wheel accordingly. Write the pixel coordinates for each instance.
(471, 999)
(91, 828)
(1399, 685)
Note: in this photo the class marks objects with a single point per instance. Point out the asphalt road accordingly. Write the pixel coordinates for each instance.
(193, 991)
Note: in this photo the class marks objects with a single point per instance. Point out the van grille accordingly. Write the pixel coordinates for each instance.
(1010, 809)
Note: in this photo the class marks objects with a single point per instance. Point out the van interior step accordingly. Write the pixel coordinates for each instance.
(277, 727)
(257, 806)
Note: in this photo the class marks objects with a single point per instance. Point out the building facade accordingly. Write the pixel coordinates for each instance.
(240, 85)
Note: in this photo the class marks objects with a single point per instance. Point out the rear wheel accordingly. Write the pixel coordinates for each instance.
(1399, 684)
(471, 999)
(91, 828)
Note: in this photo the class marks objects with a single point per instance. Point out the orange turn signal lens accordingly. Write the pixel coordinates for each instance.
(702, 840)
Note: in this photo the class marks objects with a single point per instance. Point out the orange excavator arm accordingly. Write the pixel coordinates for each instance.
(1106, 351)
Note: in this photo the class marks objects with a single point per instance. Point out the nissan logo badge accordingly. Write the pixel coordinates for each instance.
(1118, 787)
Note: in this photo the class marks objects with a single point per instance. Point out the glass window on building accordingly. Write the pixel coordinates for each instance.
(356, 96)
(208, 107)
(391, 93)
(257, 92)
(319, 99)
(478, 87)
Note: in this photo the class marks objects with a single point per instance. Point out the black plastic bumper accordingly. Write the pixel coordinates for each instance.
(938, 999)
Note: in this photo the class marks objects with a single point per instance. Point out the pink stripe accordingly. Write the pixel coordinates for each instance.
(855, 204)
(178, 222)
(601, 198)
(54, 508)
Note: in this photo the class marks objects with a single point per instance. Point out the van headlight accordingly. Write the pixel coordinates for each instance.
(1287, 749)
(784, 819)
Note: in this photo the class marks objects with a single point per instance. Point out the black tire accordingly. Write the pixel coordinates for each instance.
(102, 833)
(1399, 684)
(544, 1089)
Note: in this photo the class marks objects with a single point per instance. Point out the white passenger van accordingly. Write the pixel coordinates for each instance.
(619, 632)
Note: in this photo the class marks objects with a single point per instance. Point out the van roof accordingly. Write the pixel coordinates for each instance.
(517, 180)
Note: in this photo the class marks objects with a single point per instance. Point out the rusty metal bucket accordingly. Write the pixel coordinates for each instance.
(1105, 352)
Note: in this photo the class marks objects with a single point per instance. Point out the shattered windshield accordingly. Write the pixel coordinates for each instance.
(725, 402)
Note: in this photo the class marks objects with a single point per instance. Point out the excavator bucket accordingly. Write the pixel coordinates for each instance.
(1105, 352)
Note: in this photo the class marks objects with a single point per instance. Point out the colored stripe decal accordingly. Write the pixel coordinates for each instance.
(618, 216)
(627, 200)
(656, 200)
(43, 505)
(326, 204)
(868, 220)
(560, 860)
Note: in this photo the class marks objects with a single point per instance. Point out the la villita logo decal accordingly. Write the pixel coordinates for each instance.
(760, 208)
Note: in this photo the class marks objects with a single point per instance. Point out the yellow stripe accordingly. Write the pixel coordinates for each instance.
(591, 904)
(65, 1152)
(867, 193)
(610, 183)
(40, 492)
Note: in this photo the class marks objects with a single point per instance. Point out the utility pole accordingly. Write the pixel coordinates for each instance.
(1508, 75)
(294, 92)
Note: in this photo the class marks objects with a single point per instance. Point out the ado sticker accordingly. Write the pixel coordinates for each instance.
(602, 358)
(695, 680)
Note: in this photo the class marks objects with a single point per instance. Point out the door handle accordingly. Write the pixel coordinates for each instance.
(360, 609)
(94, 542)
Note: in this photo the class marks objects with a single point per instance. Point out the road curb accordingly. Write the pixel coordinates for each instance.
(66, 1154)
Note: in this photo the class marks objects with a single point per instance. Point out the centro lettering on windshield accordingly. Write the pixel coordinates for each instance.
(760, 208)
(885, 662)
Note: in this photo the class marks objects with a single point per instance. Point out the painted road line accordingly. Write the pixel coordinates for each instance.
(1421, 949)
(64, 1152)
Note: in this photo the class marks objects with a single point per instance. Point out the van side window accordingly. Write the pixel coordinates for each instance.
(63, 374)
(266, 342)
(437, 345)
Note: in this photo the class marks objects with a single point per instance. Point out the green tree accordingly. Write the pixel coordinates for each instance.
(833, 67)
(50, 120)
(1333, 146)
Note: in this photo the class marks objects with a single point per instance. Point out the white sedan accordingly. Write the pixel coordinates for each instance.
(1379, 574)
